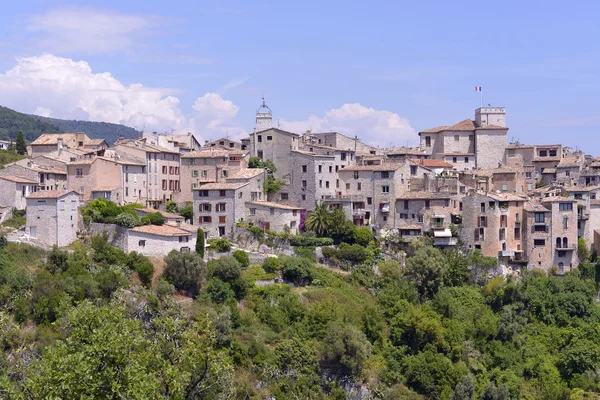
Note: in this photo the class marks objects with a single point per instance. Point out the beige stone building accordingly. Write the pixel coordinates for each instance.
(274, 216)
(121, 178)
(339, 141)
(14, 190)
(478, 143)
(181, 143)
(276, 145)
(219, 206)
(313, 177)
(52, 217)
(494, 223)
(550, 234)
(47, 176)
(206, 166)
(225, 143)
(158, 241)
(51, 142)
(162, 168)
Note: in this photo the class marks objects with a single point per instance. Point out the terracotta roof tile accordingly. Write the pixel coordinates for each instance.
(17, 179)
(161, 230)
(222, 186)
(49, 194)
(247, 173)
(273, 205)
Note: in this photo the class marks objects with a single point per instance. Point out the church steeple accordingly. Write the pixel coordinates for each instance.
(264, 117)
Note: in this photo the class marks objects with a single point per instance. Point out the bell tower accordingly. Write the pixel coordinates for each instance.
(264, 117)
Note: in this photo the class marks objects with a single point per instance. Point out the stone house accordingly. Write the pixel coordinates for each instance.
(225, 143)
(274, 216)
(53, 216)
(502, 179)
(550, 234)
(162, 168)
(494, 223)
(14, 190)
(276, 145)
(478, 143)
(339, 141)
(41, 170)
(208, 165)
(158, 241)
(568, 170)
(51, 142)
(121, 178)
(170, 218)
(219, 206)
(370, 191)
(588, 214)
(403, 153)
(313, 177)
(181, 143)
(431, 211)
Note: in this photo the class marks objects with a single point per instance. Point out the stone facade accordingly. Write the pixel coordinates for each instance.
(219, 206)
(276, 145)
(125, 178)
(53, 217)
(158, 241)
(162, 168)
(312, 178)
(14, 190)
(274, 216)
(226, 143)
(51, 142)
(340, 141)
(208, 165)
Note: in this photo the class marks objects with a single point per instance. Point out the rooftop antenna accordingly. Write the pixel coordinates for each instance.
(278, 124)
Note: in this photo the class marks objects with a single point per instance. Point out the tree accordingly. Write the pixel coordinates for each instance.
(362, 236)
(21, 146)
(200, 243)
(156, 218)
(582, 250)
(125, 219)
(318, 220)
(339, 227)
(272, 185)
(242, 257)
(426, 269)
(172, 207)
(297, 270)
(186, 271)
(345, 350)
(187, 211)
(226, 268)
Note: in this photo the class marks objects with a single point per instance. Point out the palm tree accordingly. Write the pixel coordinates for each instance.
(318, 220)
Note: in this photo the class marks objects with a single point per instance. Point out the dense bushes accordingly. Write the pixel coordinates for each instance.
(242, 257)
(220, 245)
(186, 271)
(308, 241)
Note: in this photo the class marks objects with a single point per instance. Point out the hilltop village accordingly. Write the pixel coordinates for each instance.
(465, 185)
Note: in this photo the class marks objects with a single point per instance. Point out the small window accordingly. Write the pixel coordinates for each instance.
(62, 205)
(73, 205)
(385, 175)
(142, 243)
(427, 141)
(284, 196)
(539, 242)
(272, 211)
(79, 171)
(355, 174)
(454, 160)
(562, 253)
(304, 184)
(269, 137)
(320, 168)
(413, 170)
(41, 205)
(369, 200)
(222, 193)
(304, 168)
(259, 138)
(253, 211)
(359, 186)
(385, 189)
(565, 223)
(565, 206)
(222, 219)
(195, 173)
(331, 169)
(466, 159)
(504, 187)
(540, 217)
(456, 138)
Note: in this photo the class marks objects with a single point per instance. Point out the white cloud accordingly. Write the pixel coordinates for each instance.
(43, 111)
(215, 118)
(69, 89)
(376, 127)
(89, 30)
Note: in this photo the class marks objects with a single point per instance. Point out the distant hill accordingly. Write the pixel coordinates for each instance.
(11, 122)
(95, 130)
(32, 126)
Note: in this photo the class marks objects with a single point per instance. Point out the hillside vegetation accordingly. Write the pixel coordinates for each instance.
(95, 130)
(32, 126)
(11, 122)
(80, 325)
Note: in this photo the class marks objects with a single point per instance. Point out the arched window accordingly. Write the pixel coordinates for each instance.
(561, 268)
(504, 246)
(565, 242)
(558, 243)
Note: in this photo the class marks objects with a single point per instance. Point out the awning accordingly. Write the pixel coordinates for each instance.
(385, 207)
(444, 233)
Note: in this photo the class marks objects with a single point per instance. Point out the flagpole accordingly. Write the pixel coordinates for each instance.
(481, 92)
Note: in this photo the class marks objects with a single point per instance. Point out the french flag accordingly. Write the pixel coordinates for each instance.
(478, 88)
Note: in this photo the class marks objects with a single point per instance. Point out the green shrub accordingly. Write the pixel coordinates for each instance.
(225, 268)
(297, 270)
(145, 220)
(362, 236)
(256, 273)
(156, 218)
(220, 245)
(164, 288)
(300, 240)
(242, 257)
(351, 254)
(218, 291)
(272, 264)
(171, 206)
(186, 271)
(142, 265)
(126, 220)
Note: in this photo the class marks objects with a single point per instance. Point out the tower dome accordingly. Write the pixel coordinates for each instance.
(264, 117)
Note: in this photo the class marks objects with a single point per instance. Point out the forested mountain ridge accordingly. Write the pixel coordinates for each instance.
(11, 122)
(32, 126)
(95, 130)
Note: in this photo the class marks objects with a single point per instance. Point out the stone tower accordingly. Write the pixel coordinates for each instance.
(485, 116)
(264, 117)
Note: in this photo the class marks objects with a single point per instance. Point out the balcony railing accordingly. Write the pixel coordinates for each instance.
(445, 241)
(349, 197)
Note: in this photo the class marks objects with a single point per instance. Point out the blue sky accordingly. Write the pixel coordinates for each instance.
(382, 70)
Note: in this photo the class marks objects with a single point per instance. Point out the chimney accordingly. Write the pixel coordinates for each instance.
(59, 142)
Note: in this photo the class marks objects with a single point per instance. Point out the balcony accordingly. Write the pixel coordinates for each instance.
(347, 197)
(506, 253)
(359, 212)
(583, 216)
(445, 241)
